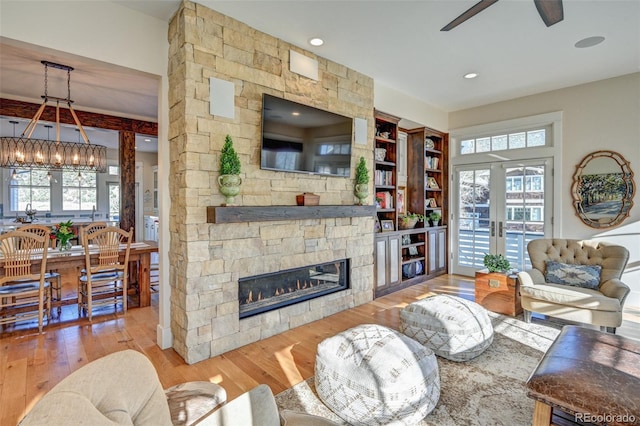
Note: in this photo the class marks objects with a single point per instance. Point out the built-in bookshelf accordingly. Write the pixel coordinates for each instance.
(407, 256)
(385, 174)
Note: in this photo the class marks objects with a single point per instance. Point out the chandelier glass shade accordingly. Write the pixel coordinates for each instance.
(25, 152)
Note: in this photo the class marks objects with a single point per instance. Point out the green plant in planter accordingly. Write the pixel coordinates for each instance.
(229, 160)
(362, 173)
(435, 217)
(361, 188)
(418, 216)
(409, 220)
(496, 263)
(229, 179)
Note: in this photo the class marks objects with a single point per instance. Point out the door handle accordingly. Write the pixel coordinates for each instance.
(500, 227)
(493, 228)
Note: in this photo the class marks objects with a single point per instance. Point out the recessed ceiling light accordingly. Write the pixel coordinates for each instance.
(147, 140)
(295, 113)
(589, 42)
(316, 41)
(471, 75)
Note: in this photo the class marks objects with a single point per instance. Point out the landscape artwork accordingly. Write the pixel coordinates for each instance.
(602, 194)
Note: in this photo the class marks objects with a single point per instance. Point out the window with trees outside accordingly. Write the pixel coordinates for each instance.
(47, 191)
(32, 187)
(79, 190)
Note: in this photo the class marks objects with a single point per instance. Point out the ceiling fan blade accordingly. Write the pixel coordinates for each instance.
(550, 11)
(472, 11)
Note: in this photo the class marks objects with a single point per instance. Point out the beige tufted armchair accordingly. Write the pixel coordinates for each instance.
(600, 306)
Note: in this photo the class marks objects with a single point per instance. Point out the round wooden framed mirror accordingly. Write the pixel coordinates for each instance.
(603, 189)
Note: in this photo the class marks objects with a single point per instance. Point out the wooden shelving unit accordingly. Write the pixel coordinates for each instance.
(385, 174)
(409, 256)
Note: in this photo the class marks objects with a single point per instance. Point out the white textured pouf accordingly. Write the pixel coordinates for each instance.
(372, 375)
(452, 327)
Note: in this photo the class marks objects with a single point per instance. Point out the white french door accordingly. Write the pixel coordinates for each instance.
(498, 207)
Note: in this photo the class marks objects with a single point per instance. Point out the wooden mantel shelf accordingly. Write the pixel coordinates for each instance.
(238, 214)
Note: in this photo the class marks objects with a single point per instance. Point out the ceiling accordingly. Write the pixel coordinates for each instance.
(94, 86)
(396, 42)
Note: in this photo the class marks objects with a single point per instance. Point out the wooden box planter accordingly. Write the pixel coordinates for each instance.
(498, 292)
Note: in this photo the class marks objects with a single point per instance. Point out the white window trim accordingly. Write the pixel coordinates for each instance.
(553, 150)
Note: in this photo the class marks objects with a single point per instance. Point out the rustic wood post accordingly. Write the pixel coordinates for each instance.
(127, 154)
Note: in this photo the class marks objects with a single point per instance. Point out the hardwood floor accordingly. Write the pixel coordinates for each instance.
(31, 364)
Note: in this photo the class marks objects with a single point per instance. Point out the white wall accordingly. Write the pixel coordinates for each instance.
(108, 32)
(149, 159)
(603, 115)
(404, 106)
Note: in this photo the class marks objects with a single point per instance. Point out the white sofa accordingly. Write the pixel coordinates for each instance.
(123, 389)
(601, 306)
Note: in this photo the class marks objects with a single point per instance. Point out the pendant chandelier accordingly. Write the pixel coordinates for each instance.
(24, 152)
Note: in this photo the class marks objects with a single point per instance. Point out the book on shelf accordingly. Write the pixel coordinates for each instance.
(384, 177)
(384, 200)
(432, 162)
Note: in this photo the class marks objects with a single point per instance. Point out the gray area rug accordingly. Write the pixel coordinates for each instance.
(488, 390)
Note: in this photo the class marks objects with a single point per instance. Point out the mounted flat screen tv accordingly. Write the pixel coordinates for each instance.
(304, 139)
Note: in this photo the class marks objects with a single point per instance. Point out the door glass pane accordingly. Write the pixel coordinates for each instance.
(473, 217)
(524, 212)
(114, 201)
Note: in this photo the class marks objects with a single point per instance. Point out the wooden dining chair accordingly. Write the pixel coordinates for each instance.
(53, 278)
(87, 229)
(24, 292)
(106, 253)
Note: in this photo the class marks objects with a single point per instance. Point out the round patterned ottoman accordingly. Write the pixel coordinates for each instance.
(452, 327)
(372, 375)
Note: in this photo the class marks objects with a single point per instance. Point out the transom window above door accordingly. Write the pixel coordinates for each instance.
(516, 140)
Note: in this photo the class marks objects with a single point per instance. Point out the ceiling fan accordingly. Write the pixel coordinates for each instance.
(550, 11)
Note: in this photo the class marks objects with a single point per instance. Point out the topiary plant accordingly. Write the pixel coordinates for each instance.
(229, 160)
(362, 173)
(496, 263)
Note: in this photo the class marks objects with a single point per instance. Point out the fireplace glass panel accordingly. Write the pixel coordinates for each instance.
(262, 293)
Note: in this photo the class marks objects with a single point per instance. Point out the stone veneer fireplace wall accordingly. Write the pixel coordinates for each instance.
(208, 259)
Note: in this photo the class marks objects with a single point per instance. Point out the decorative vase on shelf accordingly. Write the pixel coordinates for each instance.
(406, 222)
(64, 246)
(361, 191)
(361, 187)
(229, 187)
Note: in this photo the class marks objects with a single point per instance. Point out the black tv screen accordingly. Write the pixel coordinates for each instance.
(304, 139)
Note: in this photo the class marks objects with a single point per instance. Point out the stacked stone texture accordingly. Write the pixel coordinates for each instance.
(208, 259)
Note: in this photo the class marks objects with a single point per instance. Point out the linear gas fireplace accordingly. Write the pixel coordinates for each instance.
(262, 293)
